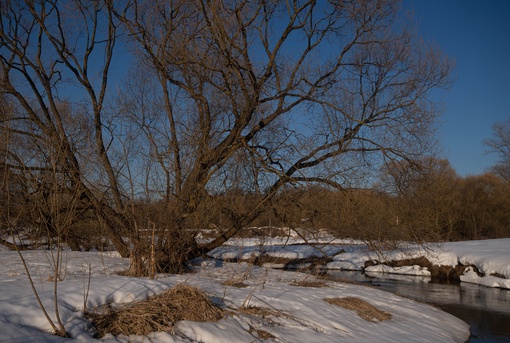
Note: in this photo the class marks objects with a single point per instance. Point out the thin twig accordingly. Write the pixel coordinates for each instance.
(50, 321)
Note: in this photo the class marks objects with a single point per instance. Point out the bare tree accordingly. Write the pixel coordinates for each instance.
(250, 97)
(427, 198)
(485, 207)
(306, 92)
(499, 143)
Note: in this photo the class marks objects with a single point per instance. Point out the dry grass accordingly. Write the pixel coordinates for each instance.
(157, 313)
(361, 307)
(261, 312)
(235, 283)
(309, 283)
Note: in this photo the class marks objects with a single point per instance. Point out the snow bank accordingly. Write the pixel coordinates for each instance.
(491, 258)
(405, 270)
(299, 314)
(490, 281)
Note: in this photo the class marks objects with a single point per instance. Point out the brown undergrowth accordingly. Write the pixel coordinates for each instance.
(364, 309)
(157, 313)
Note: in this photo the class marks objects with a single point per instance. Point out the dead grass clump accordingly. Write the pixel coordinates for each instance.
(260, 311)
(235, 283)
(361, 307)
(157, 313)
(309, 283)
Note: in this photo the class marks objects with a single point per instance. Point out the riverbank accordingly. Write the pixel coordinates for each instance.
(260, 304)
(483, 262)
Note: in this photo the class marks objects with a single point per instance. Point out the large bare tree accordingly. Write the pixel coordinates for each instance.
(244, 97)
(303, 91)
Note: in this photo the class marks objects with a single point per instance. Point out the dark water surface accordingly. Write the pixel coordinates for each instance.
(485, 309)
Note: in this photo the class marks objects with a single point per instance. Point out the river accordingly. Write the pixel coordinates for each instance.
(485, 309)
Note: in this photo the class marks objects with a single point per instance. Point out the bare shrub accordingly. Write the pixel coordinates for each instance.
(364, 309)
(158, 313)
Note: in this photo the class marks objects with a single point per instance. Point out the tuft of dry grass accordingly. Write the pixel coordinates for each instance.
(309, 283)
(364, 309)
(235, 283)
(157, 313)
(261, 312)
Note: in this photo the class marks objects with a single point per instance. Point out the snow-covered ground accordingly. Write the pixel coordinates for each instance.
(305, 315)
(491, 257)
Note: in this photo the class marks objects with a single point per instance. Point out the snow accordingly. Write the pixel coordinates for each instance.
(491, 257)
(301, 314)
(285, 251)
(490, 281)
(405, 270)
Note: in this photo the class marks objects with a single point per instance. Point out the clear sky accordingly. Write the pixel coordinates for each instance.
(476, 34)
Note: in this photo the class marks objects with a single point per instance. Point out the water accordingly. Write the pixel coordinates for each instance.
(486, 310)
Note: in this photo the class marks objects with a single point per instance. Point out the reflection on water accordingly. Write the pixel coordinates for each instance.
(486, 310)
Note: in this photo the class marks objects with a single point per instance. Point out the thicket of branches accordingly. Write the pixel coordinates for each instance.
(142, 121)
(424, 202)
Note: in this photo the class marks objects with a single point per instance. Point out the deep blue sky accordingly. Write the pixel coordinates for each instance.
(476, 34)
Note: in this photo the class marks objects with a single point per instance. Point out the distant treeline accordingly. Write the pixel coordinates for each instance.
(426, 203)
(429, 202)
